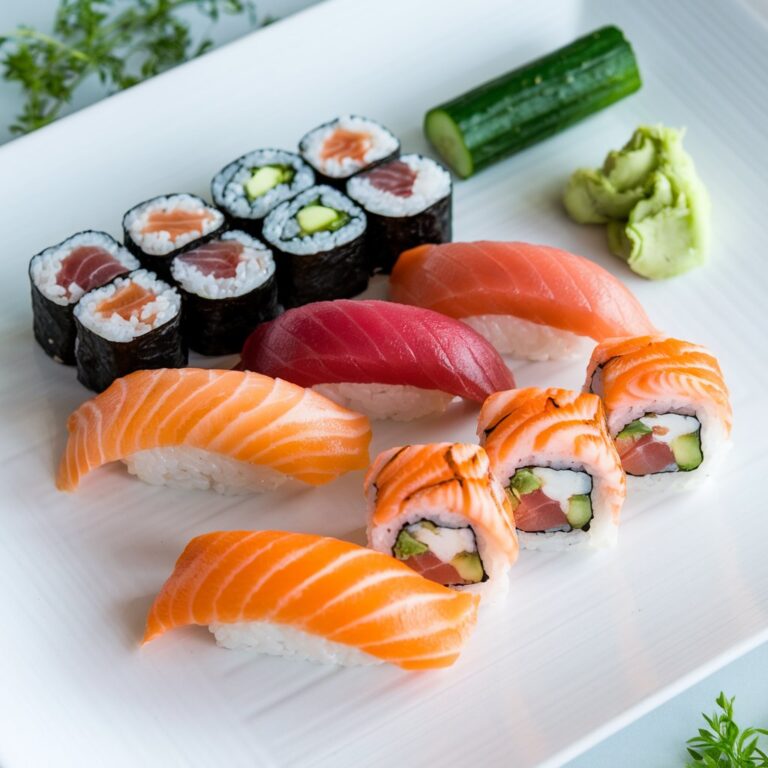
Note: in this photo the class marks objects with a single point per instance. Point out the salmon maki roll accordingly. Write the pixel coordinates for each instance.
(438, 509)
(551, 451)
(315, 598)
(667, 406)
(529, 301)
(231, 431)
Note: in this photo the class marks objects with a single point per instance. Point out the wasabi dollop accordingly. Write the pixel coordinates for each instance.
(648, 193)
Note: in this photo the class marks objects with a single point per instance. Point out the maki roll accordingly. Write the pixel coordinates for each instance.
(319, 241)
(161, 228)
(60, 275)
(667, 406)
(408, 203)
(228, 287)
(343, 147)
(551, 451)
(133, 323)
(250, 187)
(438, 509)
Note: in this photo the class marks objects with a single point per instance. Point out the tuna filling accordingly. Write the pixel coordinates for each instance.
(448, 556)
(655, 443)
(547, 500)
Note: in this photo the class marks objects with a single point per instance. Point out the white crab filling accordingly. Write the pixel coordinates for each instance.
(668, 426)
(560, 484)
(444, 543)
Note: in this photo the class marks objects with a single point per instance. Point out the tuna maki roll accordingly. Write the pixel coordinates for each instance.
(408, 202)
(318, 239)
(346, 146)
(161, 228)
(228, 287)
(130, 324)
(60, 275)
(250, 187)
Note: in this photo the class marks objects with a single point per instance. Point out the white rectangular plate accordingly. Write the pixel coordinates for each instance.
(585, 641)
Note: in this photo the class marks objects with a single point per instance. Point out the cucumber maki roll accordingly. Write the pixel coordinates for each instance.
(318, 239)
(345, 146)
(408, 203)
(228, 287)
(248, 188)
(132, 323)
(161, 228)
(60, 275)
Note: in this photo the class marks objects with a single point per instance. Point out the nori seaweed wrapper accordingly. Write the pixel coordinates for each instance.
(221, 326)
(54, 327)
(339, 273)
(341, 183)
(100, 361)
(389, 236)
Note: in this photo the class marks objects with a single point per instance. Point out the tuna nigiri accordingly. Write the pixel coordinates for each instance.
(227, 430)
(384, 359)
(530, 301)
(293, 594)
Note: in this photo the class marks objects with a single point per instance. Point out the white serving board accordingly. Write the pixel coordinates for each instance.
(585, 642)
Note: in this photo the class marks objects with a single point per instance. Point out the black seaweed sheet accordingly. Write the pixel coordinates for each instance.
(54, 327)
(340, 183)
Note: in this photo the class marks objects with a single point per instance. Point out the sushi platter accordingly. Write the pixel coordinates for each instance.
(424, 449)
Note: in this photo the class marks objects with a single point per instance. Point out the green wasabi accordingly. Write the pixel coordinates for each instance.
(656, 207)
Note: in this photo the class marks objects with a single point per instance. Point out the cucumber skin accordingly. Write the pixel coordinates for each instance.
(539, 99)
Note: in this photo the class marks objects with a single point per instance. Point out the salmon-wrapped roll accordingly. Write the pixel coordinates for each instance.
(439, 509)
(667, 406)
(551, 451)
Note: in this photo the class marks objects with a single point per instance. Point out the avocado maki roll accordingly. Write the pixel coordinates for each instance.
(248, 188)
(132, 323)
(408, 203)
(228, 287)
(318, 239)
(345, 146)
(161, 228)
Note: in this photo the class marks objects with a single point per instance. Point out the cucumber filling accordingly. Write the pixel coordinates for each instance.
(267, 177)
(657, 443)
(446, 555)
(314, 217)
(547, 500)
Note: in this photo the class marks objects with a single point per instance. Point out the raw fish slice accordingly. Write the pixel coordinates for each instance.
(176, 222)
(322, 587)
(376, 342)
(343, 144)
(243, 416)
(537, 512)
(395, 177)
(645, 456)
(218, 258)
(89, 266)
(127, 302)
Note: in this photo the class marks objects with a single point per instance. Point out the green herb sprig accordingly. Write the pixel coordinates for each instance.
(725, 744)
(119, 41)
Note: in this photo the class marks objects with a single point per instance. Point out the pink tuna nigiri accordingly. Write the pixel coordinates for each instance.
(388, 360)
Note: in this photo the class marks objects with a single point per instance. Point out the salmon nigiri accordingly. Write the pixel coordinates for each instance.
(318, 598)
(227, 430)
(529, 301)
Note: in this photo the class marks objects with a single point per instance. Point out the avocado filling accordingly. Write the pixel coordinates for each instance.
(315, 217)
(446, 555)
(547, 500)
(655, 443)
(267, 177)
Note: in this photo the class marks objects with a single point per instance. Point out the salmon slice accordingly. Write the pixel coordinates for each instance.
(536, 283)
(343, 144)
(218, 258)
(176, 222)
(127, 302)
(324, 587)
(245, 416)
(395, 177)
(89, 266)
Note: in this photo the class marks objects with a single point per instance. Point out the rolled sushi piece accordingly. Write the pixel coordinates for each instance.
(60, 275)
(386, 360)
(408, 203)
(668, 408)
(312, 598)
(231, 431)
(228, 287)
(529, 301)
(438, 509)
(318, 239)
(165, 226)
(134, 322)
(339, 149)
(248, 188)
(551, 451)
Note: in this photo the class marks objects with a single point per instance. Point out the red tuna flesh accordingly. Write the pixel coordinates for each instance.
(645, 455)
(89, 266)
(431, 567)
(218, 258)
(396, 177)
(537, 512)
